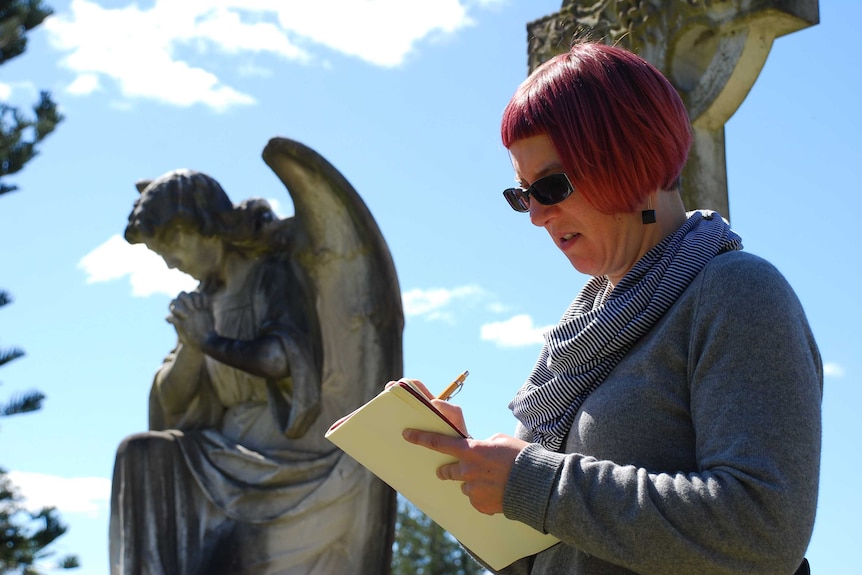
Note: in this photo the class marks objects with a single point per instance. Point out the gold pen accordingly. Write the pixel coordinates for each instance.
(453, 387)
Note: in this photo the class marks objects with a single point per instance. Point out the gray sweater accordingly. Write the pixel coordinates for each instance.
(700, 452)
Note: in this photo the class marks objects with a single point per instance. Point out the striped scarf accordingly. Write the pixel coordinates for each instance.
(603, 323)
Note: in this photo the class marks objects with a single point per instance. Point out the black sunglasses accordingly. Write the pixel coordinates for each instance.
(551, 189)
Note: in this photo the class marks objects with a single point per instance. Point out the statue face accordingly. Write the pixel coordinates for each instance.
(189, 252)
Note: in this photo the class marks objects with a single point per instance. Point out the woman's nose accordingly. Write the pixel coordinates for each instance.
(540, 214)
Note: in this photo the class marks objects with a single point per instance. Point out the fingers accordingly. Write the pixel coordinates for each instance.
(454, 446)
(482, 467)
(190, 301)
(485, 493)
(187, 303)
(452, 472)
(453, 413)
(199, 300)
(418, 385)
(179, 308)
(414, 383)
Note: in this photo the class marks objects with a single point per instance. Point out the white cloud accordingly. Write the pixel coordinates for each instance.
(517, 331)
(18, 93)
(116, 259)
(833, 370)
(381, 32)
(140, 49)
(147, 272)
(252, 70)
(278, 208)
(88, 495)
(84, 84)
(434, 303)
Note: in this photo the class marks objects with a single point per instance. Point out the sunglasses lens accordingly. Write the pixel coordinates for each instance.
(517, 199)
(551, 189)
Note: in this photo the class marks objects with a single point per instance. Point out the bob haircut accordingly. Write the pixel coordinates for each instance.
(618, 125)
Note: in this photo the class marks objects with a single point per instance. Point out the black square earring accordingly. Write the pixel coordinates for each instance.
(648, 215)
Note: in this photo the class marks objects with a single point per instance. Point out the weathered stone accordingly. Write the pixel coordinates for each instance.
(295, 323)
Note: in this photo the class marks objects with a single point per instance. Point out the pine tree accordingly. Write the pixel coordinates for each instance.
(24, 535)
(23, 403)
(19, 134)
(18, 139)
(424, 548)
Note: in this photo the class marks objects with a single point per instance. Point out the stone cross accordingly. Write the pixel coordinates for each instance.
(711, 50)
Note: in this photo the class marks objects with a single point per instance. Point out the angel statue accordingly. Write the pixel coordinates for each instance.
(295, 323)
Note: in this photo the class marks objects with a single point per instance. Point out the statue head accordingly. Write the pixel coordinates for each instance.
(181, 198)
(187, 218)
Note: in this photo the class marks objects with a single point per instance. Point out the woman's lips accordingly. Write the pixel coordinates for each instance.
(568, 239)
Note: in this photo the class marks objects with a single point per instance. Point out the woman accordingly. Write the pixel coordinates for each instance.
(672, 421)
(235, 475)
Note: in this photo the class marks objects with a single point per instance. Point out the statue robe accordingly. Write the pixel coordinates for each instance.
(233, 485)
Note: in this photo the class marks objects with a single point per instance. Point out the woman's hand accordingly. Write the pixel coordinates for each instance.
(483, 465)
(449, 410)
(192, 316)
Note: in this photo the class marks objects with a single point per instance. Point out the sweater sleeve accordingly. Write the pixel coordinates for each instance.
(755, 382)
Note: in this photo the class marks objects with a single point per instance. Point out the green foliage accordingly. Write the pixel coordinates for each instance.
(24, 536)
(7, 355)
(18, 17)
(423, 548)
(18, 139)
(19, 134)
(21, 403)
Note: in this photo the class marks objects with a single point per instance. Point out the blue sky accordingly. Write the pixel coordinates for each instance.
(404, 98)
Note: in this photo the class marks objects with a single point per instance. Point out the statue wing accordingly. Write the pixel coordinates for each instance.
(336, 246)
(339, 249)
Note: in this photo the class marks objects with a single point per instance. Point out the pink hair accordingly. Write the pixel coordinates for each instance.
(619, 126)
